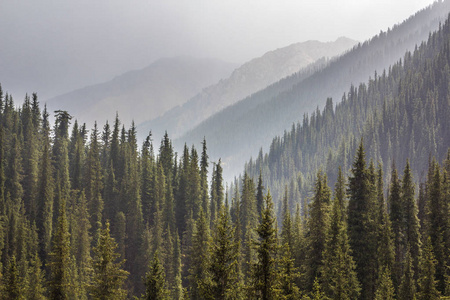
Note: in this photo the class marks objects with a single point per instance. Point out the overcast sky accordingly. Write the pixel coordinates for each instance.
(54, 46)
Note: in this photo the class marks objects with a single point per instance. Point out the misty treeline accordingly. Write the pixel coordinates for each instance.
(241, 129)
(92, 215)
(88, 216)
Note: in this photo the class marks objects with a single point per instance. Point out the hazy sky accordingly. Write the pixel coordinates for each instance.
(54, 46)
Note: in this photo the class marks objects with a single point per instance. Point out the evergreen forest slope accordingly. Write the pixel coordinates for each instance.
(91, 215)
(401, 113)
(143, 94)
(237, 132)
(249, 78)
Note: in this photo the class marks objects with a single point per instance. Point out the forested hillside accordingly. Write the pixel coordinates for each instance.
(249, 78)
(352, 203)
(238, 131)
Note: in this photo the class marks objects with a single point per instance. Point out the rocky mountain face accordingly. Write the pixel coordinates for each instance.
(143, 94)
(244, 81)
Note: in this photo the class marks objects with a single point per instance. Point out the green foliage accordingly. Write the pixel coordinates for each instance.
(108, 277)
(385, 290)
(264, 277)
(59, 258)
(317, 228)
(155, 283)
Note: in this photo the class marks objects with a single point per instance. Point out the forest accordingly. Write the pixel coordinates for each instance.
(353, 203)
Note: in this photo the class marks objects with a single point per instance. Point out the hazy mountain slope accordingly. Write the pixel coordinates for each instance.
(146, 93)
(244, 81)
(401, 114)
(237, 132)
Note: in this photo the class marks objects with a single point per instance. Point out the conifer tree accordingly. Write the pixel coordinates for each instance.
(12, 287)
(108, 274)
(361, 223)
(204, 179)
(224, 282)
(407, 289)
(147, 179)
(59, 260)
(287, 288)
(259, 196)
(155, 282)
(338, 272)
(199, 276)
(217, 196)
(81, 243)
(177, 287)
(411, 219)
(385, 290)
(264, 276)
(61, 156)
(317, 226)
(427, 285)
(438, 226)
(286, 229)
(45, 198)
(35, 289)
(397, 220)
(94, 181)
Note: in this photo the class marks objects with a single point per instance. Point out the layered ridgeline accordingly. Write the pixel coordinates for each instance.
(247, 79)
(401, 113)
(92, 215)
(238, 132)
(146, 93)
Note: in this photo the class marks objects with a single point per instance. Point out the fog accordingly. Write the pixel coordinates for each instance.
(52, 46)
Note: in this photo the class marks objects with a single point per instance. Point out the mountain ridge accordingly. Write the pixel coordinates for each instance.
(247, 79)
(163, 84)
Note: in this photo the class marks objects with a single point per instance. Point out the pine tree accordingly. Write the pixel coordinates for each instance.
(361, 223)
(59, 258)
(338, 272)
(286, 229)
(317, 226)
(411, 219)
(259, 196)
(45, 198)
(287, 275)
(264, 277)
(397, 220)
(199, 276)
(81, 243)
(407, 289)
(224, 282)
(427, 285)
(385, 290)
(94, 181)
(108, 274)
(155, 283)
(35, 289)
(12, 287)
(204, 179)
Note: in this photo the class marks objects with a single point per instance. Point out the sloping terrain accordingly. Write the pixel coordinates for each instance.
(143, 94)
(244, 81)
(238, 132)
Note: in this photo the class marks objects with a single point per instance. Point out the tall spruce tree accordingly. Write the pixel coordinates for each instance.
(155, 282)
(338, 271)
(108, 277)
(317, 228)
(59, 258)
(224, 282)
(361, 223)
(398, 226)
(412, 225)
(264, 277)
